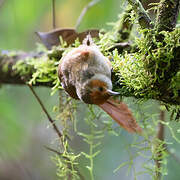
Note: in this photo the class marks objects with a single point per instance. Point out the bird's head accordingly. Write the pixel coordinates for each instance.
(97, 90)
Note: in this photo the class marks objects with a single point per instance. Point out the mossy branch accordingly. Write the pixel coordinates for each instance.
(150, 71)
(10, 75)
(132, 75)
(143, 18)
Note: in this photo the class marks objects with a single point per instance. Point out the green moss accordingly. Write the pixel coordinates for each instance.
(21, 68)
(153, 66)
(158, 54)
(130, 69)
(43, 69)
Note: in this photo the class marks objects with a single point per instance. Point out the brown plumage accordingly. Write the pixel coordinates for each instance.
(85, 74)
(121, 114)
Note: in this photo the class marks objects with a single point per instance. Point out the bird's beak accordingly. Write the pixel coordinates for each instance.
(112, 93)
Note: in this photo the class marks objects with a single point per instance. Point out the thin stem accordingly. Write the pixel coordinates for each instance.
(160, 137)
(91, 161)
(91, 142)
(53, 14)
(85, 9)
(45, 111)
(53, 150)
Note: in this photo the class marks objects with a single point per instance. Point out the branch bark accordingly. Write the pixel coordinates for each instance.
(167, 15)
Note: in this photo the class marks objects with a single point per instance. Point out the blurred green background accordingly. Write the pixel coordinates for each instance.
(24, 128)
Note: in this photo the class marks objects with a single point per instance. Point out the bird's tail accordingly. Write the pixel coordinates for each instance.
(121, 114)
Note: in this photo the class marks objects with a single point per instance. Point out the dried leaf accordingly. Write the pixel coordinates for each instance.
(69, 35)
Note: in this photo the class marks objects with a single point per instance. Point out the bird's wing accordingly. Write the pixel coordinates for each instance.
(70, 68)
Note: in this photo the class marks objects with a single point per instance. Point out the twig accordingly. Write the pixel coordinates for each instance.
(160, 137)
(45, 111)
(1, 3)
(120, 47)
(53, 150)
(83, 12)
(160, 134)
(53, 14)
(144, 19)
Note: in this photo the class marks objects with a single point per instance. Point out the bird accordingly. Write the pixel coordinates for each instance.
(85, 74)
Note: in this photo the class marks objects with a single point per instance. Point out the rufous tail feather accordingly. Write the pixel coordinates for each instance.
(121, 114)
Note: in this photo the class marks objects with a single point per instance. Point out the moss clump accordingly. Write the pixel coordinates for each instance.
(152, 71)
(158, 52)
(38, 70)
(131, 72)
(22, 69)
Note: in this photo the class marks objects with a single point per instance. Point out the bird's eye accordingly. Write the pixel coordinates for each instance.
(101, 89)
